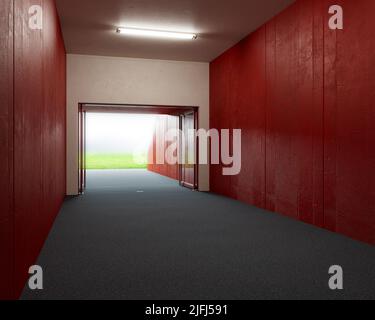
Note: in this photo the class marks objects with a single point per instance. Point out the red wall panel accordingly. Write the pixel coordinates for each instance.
(163, 124)
(352, 124)
(232, 76)
(312, 154)
(27, 141)
(329, 142)
(6, 260)
(39, 132)
(6, 108)
(319, 21)
(293, 121)
(6, 148)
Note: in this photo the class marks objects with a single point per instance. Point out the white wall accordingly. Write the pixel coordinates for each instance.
(94, 79)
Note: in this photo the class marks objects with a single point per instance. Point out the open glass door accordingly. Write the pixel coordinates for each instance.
(189, 156)
(81, 149)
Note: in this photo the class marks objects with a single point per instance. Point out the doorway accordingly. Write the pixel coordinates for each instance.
(187, 172)
(189, 167)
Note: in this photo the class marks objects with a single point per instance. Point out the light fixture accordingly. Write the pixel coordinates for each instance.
(156, 33)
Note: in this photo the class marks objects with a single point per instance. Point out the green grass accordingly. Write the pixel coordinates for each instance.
(113, 161)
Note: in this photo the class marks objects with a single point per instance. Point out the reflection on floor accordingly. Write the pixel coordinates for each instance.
(138, 235)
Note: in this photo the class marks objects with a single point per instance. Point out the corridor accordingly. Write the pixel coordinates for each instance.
(137, 235)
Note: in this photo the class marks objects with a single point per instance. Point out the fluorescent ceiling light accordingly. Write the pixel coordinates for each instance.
(156, 33)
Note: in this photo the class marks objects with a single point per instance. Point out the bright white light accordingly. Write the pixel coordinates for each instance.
(156, 34)
(119, 133)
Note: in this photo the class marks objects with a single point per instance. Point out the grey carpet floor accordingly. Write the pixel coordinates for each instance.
(137, 235)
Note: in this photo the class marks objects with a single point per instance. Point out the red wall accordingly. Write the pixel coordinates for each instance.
(6, 147)
(163, 124)
(38, 132)
(304, 97)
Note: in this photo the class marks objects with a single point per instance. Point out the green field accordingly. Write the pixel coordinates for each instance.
(113, 161)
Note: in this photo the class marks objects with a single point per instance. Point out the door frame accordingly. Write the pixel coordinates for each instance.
(195, 185)
(84, 108)
(81, 149)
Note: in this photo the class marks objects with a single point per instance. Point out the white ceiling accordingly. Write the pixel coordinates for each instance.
(89, 26)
